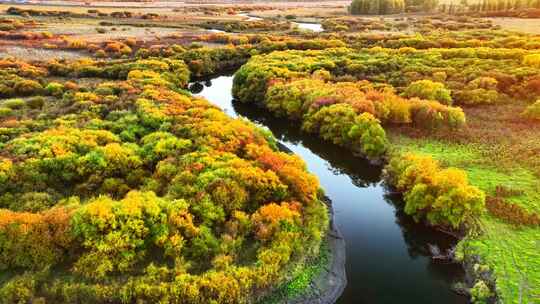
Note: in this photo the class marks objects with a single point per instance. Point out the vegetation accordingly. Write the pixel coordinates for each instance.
(325, 90)
(443, 196)
(118, 186)
(132, 190)
(427, 89)
(533, 111)
(378, 7)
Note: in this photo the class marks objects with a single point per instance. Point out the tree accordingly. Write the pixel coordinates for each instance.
(376, 7)
(427, 89)
(441, 196)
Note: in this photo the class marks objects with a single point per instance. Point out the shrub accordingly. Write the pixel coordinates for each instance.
(480, 293)
(30, 240)
(532, 111)
(340, 124)
(427, 89)
(35, 102)
(477, 96)
(14, 104)
(367, 131)
(55, 89)
(5, 112)
(19, 290)
(532, 60)
(441, 196)
(76, 44)
(28, 87)
(487, 83)
(433, 115)
(100, 54)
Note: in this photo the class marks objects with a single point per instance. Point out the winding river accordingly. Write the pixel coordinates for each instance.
(388, 259)
(316, 27)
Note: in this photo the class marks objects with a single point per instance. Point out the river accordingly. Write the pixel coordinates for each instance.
(316, 27)
(387, 252)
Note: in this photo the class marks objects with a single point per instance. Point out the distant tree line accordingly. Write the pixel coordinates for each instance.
(385, 7)
(377, 7)
(503, 5)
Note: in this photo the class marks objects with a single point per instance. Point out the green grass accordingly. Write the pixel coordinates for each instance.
(302, 278)
(482, 170)
(512, 253)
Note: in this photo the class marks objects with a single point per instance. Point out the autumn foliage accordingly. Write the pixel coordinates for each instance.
(440, 196)
(131, 189)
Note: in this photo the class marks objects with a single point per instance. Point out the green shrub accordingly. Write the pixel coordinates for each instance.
(35, 102)
(367, 131)
(14, 104)
(427, 89)
(480, 293)
(340, 124)
(532, 111)
(5, 112)
(477, 96)
(28, 87)
(441, 196)
(18, 290)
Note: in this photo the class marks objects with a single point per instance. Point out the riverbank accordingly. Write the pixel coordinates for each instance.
(472, 166)
(503, 243)
(370, 218)
(324, 279)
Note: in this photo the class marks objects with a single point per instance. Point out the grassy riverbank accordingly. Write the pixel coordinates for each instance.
(506, 239)
(486, 152)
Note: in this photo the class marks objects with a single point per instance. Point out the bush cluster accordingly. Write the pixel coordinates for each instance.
(440, 196)
(131, 190)
(532, 111)
(467, 76)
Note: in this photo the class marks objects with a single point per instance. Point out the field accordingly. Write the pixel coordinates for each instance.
(119, 185)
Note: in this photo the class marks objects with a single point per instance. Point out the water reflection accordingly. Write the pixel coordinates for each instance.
(248, 17)
(387, 252)
(316, 27)
(338, 162)
(196, 87)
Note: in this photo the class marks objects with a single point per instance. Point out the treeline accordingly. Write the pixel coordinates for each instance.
(386, 7)
(503, 5)
(461, 73)
(376, 7)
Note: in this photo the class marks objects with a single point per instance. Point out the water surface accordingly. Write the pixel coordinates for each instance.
(387, 252)
(249, 18)
(316, 27)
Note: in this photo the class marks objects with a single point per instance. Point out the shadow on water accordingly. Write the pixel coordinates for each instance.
(388, 256)
(289, 133)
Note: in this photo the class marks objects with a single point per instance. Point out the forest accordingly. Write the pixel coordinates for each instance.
(130, 189)
(119, 183)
